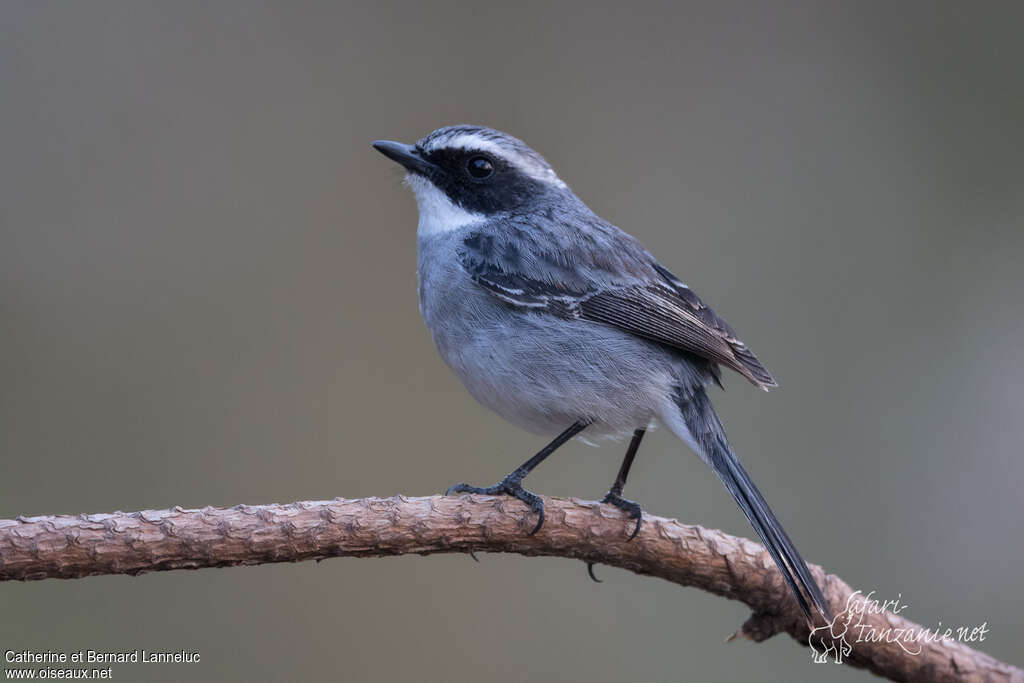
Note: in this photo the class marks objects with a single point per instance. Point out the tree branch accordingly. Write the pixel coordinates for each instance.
(70, 547)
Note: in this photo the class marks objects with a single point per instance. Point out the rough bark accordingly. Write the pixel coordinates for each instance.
(70, 547)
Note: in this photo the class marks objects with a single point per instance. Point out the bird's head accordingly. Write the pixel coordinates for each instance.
(465, 174)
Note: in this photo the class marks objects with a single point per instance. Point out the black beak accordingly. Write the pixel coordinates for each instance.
(407, 155)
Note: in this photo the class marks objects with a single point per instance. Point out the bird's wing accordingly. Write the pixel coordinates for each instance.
(649, 302)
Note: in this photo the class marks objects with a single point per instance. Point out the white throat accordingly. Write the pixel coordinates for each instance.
(438, 214)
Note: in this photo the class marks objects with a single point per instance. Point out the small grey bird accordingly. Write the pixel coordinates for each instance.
(561, 322)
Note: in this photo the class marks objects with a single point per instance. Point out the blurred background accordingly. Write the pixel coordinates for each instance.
(208, 297)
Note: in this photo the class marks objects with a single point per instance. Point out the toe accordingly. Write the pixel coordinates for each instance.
(636, 530)
(540, 521)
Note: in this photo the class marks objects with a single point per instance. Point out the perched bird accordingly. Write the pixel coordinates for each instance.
(560, 322)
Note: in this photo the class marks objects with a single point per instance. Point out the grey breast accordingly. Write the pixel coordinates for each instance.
(536, 370)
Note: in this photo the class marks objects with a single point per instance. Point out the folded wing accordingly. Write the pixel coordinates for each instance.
(651, 303)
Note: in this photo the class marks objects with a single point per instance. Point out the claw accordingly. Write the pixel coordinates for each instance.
(509, 486)
(639, 521)
(540, 520)
(516, 490)
(590, 570)
(463, 488)
(466, 488)
(629, 507)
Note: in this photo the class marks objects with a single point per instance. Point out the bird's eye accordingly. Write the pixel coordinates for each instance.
(479, 167)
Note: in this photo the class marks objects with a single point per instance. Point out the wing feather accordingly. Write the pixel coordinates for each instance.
(659, 308)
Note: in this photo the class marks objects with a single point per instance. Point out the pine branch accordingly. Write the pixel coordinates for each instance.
(71, 547)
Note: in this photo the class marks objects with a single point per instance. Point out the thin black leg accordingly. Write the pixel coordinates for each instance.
(512, 485)
(614, 495)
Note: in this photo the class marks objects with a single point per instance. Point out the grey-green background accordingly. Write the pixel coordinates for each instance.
(208, 297)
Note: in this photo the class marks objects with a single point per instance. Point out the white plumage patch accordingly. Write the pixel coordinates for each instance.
(673, 419)
(469, 141)
(438, 214)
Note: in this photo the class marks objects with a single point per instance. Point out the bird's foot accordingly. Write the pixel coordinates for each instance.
(627, 506)
(509, 486)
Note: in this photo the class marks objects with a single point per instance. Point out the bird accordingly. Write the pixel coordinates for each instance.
(564, 324)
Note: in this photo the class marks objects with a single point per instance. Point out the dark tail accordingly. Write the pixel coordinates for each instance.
(709, 435)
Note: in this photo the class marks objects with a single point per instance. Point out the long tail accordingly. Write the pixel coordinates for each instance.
(707, 436)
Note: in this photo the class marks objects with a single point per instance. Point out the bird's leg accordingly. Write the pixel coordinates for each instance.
(512, 485)
(614, 495)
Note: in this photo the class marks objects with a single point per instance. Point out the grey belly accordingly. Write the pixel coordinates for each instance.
(543, 373)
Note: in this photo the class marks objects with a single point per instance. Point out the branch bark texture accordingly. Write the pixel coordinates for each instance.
(71, 547)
